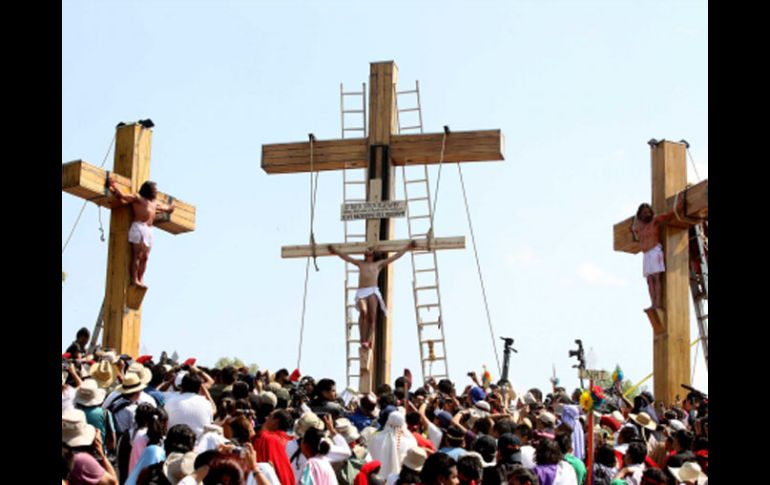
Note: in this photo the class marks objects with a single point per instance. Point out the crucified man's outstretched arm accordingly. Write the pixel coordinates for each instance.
(343, 256)
(412, 244)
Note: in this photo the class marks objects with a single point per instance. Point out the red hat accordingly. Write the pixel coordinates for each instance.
(609, 422)
(190, 361)
(294, 377)
(66, 355)
(144, 359)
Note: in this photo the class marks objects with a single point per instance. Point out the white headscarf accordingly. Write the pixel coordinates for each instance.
(390, 445)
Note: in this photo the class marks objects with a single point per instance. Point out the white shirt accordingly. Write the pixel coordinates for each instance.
(191, 409)
(565, 474)
(528, 457)
(339, 451)
(435, 434)
(68, 398)
(124, 419)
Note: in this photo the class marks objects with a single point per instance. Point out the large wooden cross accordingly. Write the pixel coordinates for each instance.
(671, 324)
(379, 154)
(122, 303)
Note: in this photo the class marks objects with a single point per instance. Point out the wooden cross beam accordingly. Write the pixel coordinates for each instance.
(122, 310)
(671, 325)
(379, 154)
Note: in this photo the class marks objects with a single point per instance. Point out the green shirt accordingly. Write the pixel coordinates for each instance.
(577, 464)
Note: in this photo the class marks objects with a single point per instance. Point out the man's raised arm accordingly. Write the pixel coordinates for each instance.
(412, 244)
(343, 256)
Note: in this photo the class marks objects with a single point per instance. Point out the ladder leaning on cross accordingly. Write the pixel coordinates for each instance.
(379, 153)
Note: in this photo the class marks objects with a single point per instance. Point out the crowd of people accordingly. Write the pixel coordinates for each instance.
(139, 421)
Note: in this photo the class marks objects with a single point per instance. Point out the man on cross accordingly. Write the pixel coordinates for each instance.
(368, 293)
(646, 229)
(140, 235)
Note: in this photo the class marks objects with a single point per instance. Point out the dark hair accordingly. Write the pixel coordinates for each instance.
(605, 455)
(564, 437)
(281, 373)
(239, 427)
(413, 418)
(504, 425)
(700, 443)
(284, 419)
(407, 475)
(225, 468)
(367, 405)
(83, 332)
(180, 438)
(324, 385)
(684, 439)
(158, 375)
(387, 399)
(524, 432)
(313, 438)
(240, 390)
(191, 383)
(149, 190)
(655, 474)
(470, 467)
(204, 458)
(522, 475)
(636, 452)
(537, 393)
(643, 206)
(228, 375)
(627, 433)
(400, 382)
(454, 435)
(383, 389)
(437, 465)
(143, 414)
(486, 446)
(548, 452)
(482, 426)
(156, 426)
(446, 386)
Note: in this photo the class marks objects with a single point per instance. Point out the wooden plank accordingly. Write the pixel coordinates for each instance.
(439, 243)
(656, 317)
(697, 207)
(134, 296)
(374, 194)
(87, 181)
(461, 146)
(327, 155)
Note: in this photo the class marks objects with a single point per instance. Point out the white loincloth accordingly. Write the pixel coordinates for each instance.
(140, 233)
(371, 290)
(653, 261)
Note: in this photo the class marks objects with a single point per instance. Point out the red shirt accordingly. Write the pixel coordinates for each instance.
(271, 447)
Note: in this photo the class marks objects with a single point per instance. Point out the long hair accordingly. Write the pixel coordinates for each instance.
(156, 426)
(643, 206)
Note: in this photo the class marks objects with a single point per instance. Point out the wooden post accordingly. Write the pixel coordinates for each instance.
(590, 444)
(671, 361)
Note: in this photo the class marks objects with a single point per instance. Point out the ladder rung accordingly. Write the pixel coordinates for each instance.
(429, 323)
(356, 235)
(416, 181)
(408, 109)
(353, 129)
(419, 217)
(353, 111)
(424, 270)
(354, 375)
(428, 305)
(420, 288)
(351, 341)
(350, 201)
(417, 199)
(428, 359)
(353, 93)
(418, 235)
(354, 358)
(355, 182)
(411, 127)
(406, 92)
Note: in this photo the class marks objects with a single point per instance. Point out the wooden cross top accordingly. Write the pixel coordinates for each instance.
(379, 153)
(122, 313)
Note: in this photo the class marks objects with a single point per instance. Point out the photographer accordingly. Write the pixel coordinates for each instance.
(325, 400)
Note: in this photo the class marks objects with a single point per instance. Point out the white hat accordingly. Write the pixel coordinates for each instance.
(89, 394)
(307, 421)
(74, 429)
(346, 429)
(179, 465)
(415, 458)
(268, 397)
(484, 406)
(145, 374)
(689, 471)
(547, 418)
(644, 420)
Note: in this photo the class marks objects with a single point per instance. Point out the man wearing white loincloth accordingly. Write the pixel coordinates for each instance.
(145, 206)
(646, 229)
(368, 295)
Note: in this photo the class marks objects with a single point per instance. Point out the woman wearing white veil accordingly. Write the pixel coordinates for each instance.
(390, 445)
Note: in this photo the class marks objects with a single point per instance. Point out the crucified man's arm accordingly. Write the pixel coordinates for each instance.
(412, 244)
(343, 256)
(125, 198)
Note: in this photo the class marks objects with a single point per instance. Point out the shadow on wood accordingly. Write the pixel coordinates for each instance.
(134, 296)
(656, 316)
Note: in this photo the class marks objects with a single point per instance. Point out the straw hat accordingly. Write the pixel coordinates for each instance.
(644, 420)
(307, 421)
(89, 394)
(415, 458)
(179, 465)
(131, 384)
(104, 373)
(145, 374)
(689, 471)
(74, 429)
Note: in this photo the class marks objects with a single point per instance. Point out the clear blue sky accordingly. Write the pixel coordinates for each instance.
(576, 87)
